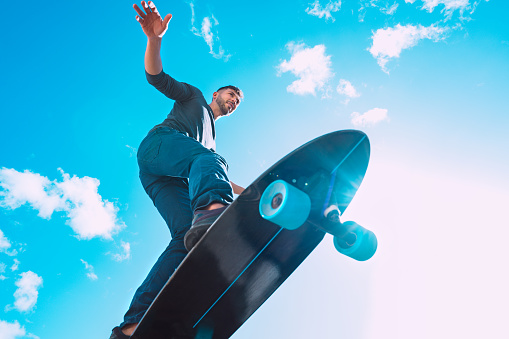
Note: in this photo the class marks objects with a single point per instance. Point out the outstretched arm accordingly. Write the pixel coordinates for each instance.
(154, 28)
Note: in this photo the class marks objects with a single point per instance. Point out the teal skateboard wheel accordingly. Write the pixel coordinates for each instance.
(285, 205)
(359, 244)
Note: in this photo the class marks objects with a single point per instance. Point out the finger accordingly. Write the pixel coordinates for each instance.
(146, 7)
(166, 20)
(152, 7)
(140, 20)
(139, 11)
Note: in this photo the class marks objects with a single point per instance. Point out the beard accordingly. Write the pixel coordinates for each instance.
(223, 106)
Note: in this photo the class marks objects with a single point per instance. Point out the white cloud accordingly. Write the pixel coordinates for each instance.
(88, 214)
(371, 117)
(384, 6)
(90, 270)
(390, 10)
(389, 42)
(346, 88)
(27, 187)
(126, 254)
(15, 266)
(209, 34)
(27, 293)
(311, 65)
(449, 6)
(5, 244)
(11, 330)
(319, 11)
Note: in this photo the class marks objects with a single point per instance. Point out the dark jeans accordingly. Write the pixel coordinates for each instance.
(180, 176)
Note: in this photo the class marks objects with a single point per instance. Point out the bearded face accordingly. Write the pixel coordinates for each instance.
(226, 101)
(225, 107)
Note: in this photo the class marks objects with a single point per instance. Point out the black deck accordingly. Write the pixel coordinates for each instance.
(244, 258)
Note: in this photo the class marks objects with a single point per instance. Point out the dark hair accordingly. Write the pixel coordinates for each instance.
(234, 88)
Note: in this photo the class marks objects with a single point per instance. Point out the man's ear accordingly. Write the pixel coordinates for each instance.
(214, 96)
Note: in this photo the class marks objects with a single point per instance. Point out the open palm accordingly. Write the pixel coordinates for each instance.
(151, 22)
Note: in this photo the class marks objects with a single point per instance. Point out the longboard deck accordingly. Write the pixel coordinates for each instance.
(244, 258)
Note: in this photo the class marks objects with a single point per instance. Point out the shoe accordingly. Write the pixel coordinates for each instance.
(118, 334)
(202, 220)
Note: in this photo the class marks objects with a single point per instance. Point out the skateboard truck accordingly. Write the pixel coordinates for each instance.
(289, 207)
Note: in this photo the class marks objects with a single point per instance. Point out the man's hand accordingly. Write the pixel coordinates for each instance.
(236, 188)
(151, 22)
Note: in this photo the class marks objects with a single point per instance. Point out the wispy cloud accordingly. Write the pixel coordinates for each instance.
(90, 270)
(132, 150)
(390, 10)
(311, 65)
(27, 293)
(369, 118)
(321, 12)
(389, 42)
(346, 88)
(2, 271)
(3, 268)
(449, 7)
(5, 244)
(387, 7)
(208, 32)
(88, 214)
(15, 266)
(125, 254)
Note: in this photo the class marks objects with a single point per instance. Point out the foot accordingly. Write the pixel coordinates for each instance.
(202, 220)
(118, 334)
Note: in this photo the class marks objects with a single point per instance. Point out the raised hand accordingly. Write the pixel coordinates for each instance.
(151, 22)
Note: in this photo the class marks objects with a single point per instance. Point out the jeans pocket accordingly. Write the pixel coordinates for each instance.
(149, 149)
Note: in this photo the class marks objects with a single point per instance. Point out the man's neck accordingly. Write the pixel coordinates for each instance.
(215, 110)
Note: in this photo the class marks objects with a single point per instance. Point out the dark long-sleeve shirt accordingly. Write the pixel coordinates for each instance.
(190, 114)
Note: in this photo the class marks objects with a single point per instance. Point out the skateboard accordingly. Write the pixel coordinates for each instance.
(262, 237)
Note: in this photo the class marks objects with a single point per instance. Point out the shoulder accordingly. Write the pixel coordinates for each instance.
(194, 89)
(195, 92)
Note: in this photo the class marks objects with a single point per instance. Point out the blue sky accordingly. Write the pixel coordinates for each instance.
(425, 79)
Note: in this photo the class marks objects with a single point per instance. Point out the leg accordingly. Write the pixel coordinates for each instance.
(166, 152)
(171, 198)
(209, 186)
(166, 159)
(206, 182)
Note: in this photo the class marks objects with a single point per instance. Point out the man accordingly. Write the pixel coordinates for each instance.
(179, 168)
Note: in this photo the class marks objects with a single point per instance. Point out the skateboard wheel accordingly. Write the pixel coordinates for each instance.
(285, 205)
(359, 244)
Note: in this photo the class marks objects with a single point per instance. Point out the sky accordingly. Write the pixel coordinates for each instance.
(426, 80)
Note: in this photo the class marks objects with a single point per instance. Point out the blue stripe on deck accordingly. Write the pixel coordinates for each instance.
(241, 273)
